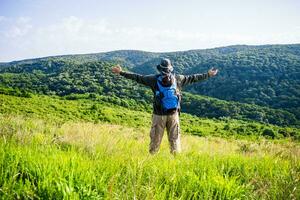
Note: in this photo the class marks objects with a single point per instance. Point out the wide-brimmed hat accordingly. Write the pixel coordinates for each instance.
(165, 66)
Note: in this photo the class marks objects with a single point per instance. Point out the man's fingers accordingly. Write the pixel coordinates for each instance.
(216, 71)
(213, 71)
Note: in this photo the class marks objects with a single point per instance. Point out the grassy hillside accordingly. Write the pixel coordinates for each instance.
(53, 148)
(83, 160)
(102, 109)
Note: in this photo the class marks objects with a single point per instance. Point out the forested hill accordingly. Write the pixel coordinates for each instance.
(266, 75)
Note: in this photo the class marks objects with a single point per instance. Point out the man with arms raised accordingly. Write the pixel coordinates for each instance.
(166, 88)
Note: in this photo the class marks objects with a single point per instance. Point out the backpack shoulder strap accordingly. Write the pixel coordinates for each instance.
(158, 76)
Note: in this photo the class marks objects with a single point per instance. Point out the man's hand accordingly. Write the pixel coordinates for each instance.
(212, 72)
(116, 69)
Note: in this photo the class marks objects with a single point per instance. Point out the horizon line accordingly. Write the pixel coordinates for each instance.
(155, 52)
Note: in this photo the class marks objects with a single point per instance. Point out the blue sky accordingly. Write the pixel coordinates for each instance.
(36, 28)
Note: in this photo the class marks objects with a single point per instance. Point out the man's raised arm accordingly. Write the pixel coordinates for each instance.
(189, 79)
(145, 80)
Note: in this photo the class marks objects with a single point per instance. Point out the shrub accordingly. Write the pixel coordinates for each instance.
(269, 133)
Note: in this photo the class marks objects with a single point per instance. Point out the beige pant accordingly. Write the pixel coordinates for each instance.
(159, 122)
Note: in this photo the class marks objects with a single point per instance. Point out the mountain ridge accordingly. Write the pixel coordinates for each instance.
(145, 51)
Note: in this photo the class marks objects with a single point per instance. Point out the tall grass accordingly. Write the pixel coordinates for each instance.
(83, 160)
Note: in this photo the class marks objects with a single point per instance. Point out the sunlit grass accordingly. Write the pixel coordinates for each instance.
(83, 160)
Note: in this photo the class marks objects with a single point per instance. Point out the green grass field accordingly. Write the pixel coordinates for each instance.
(61, 149)
(58, 110)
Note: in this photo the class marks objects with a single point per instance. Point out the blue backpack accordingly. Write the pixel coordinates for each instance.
(168, 96)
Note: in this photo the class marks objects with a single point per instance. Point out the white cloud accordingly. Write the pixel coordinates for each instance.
(23, 20)
(20, 39)
(2, 18)
(15, 27)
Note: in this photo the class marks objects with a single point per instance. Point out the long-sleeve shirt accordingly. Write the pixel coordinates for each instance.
(151, 81)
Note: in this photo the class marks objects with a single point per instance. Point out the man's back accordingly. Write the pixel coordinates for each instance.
(151, 81)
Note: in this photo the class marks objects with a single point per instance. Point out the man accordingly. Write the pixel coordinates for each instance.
(166, 102)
